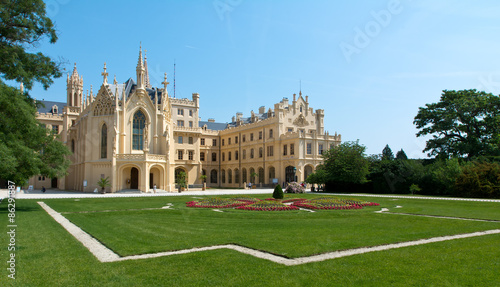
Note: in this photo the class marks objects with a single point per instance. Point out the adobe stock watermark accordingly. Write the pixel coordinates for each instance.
(11, 233)
(53, 6)
(224, 7)
(363, 36)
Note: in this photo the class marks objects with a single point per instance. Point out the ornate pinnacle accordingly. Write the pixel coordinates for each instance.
(105, 75)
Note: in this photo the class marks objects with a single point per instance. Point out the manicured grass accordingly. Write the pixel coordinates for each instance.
(49, 256)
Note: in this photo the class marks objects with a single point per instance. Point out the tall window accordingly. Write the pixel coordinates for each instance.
(284, 150)
(260, 135)
(104, 141)
(214, 156)
(251, 153)
(202, 141)
(270, 133)
(213, 176)
(261, 152)
(270, 151)
(190, 155)
(202, 156)
(190, 140)
(236, 155)
(320, 149)
(214, 142)
(309, 148)
(251, 137)
(244, 154)
(180, 139)
(235, 140)
(244, 138)
(180, 112)
(229, 156)
(180, 123)
(180, 154)
(292, 149)
(139, 123)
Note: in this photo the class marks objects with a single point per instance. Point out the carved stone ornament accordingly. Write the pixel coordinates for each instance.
(301, 121)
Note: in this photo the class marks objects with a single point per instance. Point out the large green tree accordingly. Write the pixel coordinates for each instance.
(26, 147)
(23, 24)
(463, 123)
(387, 153)
(346, 163)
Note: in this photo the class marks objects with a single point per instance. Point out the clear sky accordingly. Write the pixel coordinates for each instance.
(369, 64)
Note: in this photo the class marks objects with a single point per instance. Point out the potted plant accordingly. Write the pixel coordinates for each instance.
(252, 179)
(103, 183)
(181, 180)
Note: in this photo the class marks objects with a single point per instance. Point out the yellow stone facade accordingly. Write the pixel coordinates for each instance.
(139, 136)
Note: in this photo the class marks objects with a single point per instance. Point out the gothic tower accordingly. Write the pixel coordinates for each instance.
(74, 88)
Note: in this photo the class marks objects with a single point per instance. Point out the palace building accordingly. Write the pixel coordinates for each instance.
(139, 136)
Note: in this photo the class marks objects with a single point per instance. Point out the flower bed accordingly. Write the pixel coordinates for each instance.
(271, 204)
(268, 205)
(216, 202)
(333, 203)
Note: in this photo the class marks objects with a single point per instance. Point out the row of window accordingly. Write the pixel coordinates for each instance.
(244, 175)
(180, 112)
(244, 138)
(180, 123)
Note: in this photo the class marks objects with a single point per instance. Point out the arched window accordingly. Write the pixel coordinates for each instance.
(271, 173)
(104, 141)
(229, 176)
(223, 176)
(261, 175)
(213, 176)
(237, 176)
(244, 175)
(139, 123)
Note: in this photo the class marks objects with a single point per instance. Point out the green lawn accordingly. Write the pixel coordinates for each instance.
(47, 255)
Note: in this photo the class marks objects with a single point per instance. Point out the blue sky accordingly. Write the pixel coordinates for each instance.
(369, 64)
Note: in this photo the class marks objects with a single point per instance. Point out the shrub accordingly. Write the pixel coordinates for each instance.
(479, 179)
(278, 192)
(294, 187)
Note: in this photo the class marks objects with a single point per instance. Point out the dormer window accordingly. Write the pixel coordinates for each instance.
(301, 108)
(54, 110)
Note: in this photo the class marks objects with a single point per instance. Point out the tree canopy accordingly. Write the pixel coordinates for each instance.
(346, 163)
(463, 123)
(27, 148)
(401, 155)
(23, 25)
(387, 153)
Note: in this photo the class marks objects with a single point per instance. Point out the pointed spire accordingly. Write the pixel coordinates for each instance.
(146, 73)
(114, 81)
(105, 75)
(140, 62)
(165, 82)
(140, 70)
(75, 72)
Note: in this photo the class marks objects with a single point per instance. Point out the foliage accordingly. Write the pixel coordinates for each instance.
(268, 205)
(440, 177)
(479, 179)
(103, 183)
(319, 177)
(346, 163)
(181, 179)
(463, 123)
(278, 192)
(26, 147)
(387, 153)
(294, 187)
(203, 178)
(23, 24)
(414, 188)
(401, 155)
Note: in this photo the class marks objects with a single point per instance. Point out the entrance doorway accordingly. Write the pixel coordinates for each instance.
(54, 183)
(134, 178)
(290, 173)
(151, 177)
